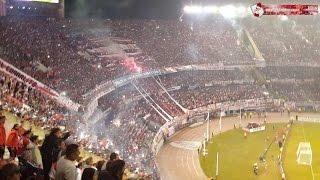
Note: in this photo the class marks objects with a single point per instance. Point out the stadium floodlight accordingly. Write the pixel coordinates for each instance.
(193, 9)
(211, 9)
(242, 11)
(228, 11)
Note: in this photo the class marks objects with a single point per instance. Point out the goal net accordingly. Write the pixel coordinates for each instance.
(304, 153)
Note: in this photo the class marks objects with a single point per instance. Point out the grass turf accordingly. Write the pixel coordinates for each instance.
(238, 154)
(300, 132)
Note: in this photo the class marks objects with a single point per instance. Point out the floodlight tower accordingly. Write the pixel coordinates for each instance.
(220, 125)
(240, 117)
(204, 151)
(208, 127)
(206, 135)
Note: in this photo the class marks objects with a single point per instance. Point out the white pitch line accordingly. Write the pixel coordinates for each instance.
(194, 166)
(312, 172)
(305, 140)
(188, 160)
(189, 167)
(195, 153)
(181, 160)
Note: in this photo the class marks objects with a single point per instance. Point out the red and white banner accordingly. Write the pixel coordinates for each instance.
(260, 9)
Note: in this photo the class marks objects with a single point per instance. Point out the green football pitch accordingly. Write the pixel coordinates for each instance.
(237, 154)
(303, 132)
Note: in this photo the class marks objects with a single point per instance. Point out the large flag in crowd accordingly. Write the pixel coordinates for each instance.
(251, 46)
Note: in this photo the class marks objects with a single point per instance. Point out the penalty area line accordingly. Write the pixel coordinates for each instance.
(312, 172)
(305, 140)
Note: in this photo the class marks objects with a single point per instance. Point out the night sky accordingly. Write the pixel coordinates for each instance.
(124, 9)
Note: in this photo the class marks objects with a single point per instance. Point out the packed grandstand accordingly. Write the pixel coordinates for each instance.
(125, 86)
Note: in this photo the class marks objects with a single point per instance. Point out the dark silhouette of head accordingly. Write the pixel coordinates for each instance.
(72, 152)
(15, 126)
(56, 131)
(10, 172)
(88, 174)
(117, 168)
(114, 156)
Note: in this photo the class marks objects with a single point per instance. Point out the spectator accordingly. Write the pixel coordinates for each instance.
(113, 157)
(62, 148)
(28, 169)
(115, 171)
(53, 171)
(79, 168)
(89, 174)
(66, 168)
(21, 129)
(10, 172)
(99, 165)
(89, 163)
(24, 141)
(13, 141)
(50, 150)
(35, 152)
(2, 136)
(117, 168)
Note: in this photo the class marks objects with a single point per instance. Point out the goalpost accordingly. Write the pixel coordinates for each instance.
(304, 153)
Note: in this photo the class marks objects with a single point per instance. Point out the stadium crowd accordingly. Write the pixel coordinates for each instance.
(62, 53)
(174, 43)
(293, 39)
(203, 96)
(296, 91)
(50, 53)
(193, 77)
(54, 159)
(29, 103)
(292, 72)
(74, 56)
(12, 96)
(137, 124)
